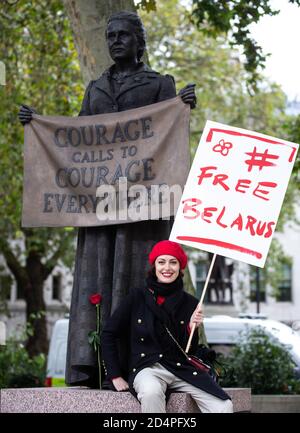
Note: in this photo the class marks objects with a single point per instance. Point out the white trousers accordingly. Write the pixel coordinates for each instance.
(151, 384)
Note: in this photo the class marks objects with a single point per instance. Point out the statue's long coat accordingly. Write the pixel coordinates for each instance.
(111, 260)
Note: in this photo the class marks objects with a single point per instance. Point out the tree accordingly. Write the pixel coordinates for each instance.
(88, 21)
(42, 70)
(176, 46)
(232, 19)
(292, 128)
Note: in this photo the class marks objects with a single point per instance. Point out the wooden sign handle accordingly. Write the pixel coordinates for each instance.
(201, 300)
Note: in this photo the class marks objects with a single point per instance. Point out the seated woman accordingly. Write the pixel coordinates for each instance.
(146, 318)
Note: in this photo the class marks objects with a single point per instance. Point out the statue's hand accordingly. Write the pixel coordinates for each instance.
(188, 95)
(25, 114)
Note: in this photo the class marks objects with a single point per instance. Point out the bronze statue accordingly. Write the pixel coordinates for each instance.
(111, 260)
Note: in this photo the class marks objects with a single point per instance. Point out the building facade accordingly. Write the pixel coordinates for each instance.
(233, 291)
(57, 295)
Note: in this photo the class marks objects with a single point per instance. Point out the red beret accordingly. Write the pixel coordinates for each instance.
(171, 249)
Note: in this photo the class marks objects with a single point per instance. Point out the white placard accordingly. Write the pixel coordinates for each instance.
(234, 193)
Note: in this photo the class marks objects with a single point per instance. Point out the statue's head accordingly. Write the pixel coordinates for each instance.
(132, 22)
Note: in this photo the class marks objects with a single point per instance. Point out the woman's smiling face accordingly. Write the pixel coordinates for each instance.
(166, 268)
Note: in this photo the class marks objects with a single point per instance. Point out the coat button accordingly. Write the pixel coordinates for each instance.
(161, 355)
(139, 321)
(134, 370)
(178, 364)
(181, 322)
(195, 373)
(142, 339)
(142, 355)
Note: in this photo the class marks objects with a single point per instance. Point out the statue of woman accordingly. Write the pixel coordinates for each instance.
(111, 260)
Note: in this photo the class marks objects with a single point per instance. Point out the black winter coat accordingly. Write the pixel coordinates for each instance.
(136, 321)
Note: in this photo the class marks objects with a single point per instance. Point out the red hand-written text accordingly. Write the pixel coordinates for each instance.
(260, 189)
(210, 214)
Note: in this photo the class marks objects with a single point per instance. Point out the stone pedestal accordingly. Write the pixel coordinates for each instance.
(276, 403)
(85, 400)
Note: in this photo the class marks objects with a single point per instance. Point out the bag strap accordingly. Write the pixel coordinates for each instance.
(177, 344)
(181, 349)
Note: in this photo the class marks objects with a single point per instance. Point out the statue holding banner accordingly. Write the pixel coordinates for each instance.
(111, 260)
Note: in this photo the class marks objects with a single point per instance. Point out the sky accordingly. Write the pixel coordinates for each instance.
(280, 36)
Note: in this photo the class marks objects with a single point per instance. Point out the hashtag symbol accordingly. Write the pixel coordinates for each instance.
(223, 147)
(260, 159)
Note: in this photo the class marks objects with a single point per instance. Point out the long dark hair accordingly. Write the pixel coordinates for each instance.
(137, 25)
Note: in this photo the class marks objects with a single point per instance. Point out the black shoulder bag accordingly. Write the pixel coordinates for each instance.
(192, 359)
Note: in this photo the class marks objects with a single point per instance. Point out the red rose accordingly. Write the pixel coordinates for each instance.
(94, 336)
(95, 299)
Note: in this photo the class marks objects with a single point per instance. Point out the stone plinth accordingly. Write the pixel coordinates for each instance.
(85, 400)
(276, 403)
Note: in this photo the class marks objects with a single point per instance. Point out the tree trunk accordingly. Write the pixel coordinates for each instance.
(30, 279)
(88, 20)
(35, 306)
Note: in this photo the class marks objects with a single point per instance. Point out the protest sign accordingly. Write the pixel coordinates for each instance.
(234, 192)
(106, 169)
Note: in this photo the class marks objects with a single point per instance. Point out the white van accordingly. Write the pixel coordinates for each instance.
(56, 362)
(224, 331)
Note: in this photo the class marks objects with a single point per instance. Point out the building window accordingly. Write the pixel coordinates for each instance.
(284, 292)
(201, 273)
(20, 292)
(5, 287)
(56, 287)
(219, 289)
(257, 283)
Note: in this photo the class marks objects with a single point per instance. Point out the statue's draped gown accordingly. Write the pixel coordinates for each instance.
(111, 260)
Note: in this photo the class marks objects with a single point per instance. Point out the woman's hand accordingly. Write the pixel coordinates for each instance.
(188, 95)
(196, 318)
(25, 114)
(120, 384)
